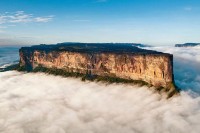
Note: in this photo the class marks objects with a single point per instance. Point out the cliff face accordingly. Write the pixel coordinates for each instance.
(154, 68)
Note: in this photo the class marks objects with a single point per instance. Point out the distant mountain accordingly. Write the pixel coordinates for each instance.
(187, 45)
(140, 45)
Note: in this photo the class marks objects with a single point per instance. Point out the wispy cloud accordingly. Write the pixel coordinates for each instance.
(188, 8)
(2, 19)
(3, 27)
(44, 19)
(22, 17)
(11, 25)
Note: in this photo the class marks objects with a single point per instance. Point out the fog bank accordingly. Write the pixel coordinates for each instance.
(39, 103)
(186, 66)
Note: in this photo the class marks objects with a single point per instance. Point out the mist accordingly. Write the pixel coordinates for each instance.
(186, 66)
(40, 103)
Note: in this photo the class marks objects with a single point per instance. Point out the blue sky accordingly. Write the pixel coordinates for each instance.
(158, 22)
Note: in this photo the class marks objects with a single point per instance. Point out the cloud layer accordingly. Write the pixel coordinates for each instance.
(46, 104)
(186, 66)
(42, 103)
(22, 17)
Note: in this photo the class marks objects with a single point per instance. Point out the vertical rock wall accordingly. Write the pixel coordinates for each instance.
(156, 69)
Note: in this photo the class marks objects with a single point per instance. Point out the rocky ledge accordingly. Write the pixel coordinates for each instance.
(114, 62)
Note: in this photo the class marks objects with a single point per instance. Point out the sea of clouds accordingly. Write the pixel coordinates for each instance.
(186, 66)
(40, 103)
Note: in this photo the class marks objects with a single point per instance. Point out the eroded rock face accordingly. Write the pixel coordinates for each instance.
(154, 68)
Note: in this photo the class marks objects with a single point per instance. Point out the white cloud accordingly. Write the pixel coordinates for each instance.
(2, 29)
(43, 19)
(19, 12)
(186, 66)
(2, 19)
(43, 103)
(22, 17)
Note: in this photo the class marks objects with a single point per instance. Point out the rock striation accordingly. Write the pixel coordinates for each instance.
(122, 60)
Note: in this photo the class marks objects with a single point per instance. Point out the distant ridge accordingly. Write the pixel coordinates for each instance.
(187, 45)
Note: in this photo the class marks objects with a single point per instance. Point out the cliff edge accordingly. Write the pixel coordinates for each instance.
(124, 61)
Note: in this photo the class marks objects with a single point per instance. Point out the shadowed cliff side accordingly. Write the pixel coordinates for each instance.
(114, 62)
